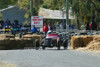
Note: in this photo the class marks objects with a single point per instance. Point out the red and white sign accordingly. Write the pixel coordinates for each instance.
(37, 21)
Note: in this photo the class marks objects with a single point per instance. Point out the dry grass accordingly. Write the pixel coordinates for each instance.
(4, 64)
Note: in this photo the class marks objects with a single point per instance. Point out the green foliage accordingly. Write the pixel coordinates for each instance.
(0, 16)
(53, 4)
(6, 3)
(82, 9)
(25, 4)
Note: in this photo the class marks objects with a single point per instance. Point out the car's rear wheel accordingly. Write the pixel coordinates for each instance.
(58, 44)
(65, 43)
(43, 47)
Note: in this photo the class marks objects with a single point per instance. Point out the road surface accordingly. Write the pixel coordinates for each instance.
(47, 58)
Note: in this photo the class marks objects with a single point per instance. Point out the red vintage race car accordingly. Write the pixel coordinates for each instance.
(53, 40)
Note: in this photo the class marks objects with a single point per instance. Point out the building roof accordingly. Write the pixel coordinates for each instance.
(54, 14)
(10, 7)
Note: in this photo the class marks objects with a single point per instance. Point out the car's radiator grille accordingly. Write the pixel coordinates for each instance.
(48, 41)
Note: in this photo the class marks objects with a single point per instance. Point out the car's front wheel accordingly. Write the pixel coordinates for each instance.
(37, 44)
(58, 44)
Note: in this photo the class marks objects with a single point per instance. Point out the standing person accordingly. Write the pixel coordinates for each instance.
(61, 26)
(90, 25)
(72, 26)
(34, 29)
(45, 28)
(8, 22)
(87, 26)
(54, 27)
(49, 27)
(16, 23)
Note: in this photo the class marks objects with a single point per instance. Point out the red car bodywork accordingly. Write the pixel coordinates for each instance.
(54, 37)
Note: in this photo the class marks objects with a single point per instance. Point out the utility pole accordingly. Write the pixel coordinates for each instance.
(31, 7)
(67, 15)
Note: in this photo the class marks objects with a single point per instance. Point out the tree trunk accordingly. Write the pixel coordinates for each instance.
(78, 25)
(94, 25)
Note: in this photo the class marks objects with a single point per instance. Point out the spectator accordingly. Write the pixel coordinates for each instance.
(54, 27)
(34, 29)
(94, 26)
(91, 25)
(49, 26)
(87, 27)
(61, 26)
(8, 22)
(5, 24)
(16, 23)
(45, 28)
(72, 26)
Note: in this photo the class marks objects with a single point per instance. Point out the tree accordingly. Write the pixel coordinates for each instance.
(54, 4)
(6, 3)
(0, 16)
(89, 10)
(25, 4)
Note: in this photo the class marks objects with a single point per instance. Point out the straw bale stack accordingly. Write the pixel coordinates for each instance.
(87, 40)
(96, 38)
(94, 46)
(13, 43)
(6, 36)
(75, 42)
(80, 41)
(34, 37)
(20, 43)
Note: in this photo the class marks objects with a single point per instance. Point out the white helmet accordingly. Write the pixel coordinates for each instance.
(49, 32)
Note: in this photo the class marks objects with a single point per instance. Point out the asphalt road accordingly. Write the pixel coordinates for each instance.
(47, 58)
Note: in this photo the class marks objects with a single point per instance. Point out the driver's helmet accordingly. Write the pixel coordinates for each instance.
(49, 32)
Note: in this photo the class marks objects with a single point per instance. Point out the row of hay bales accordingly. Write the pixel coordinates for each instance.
(9, 42)
(34, 37)
(2, 36)
(89, 42)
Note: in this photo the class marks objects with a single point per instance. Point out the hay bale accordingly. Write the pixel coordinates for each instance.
(87, 40)
(12, 43)
(34, 37)
(96, 38)
(76, 42)
(20, 43)
(80, 41)
(6, 36)
(94, 46)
